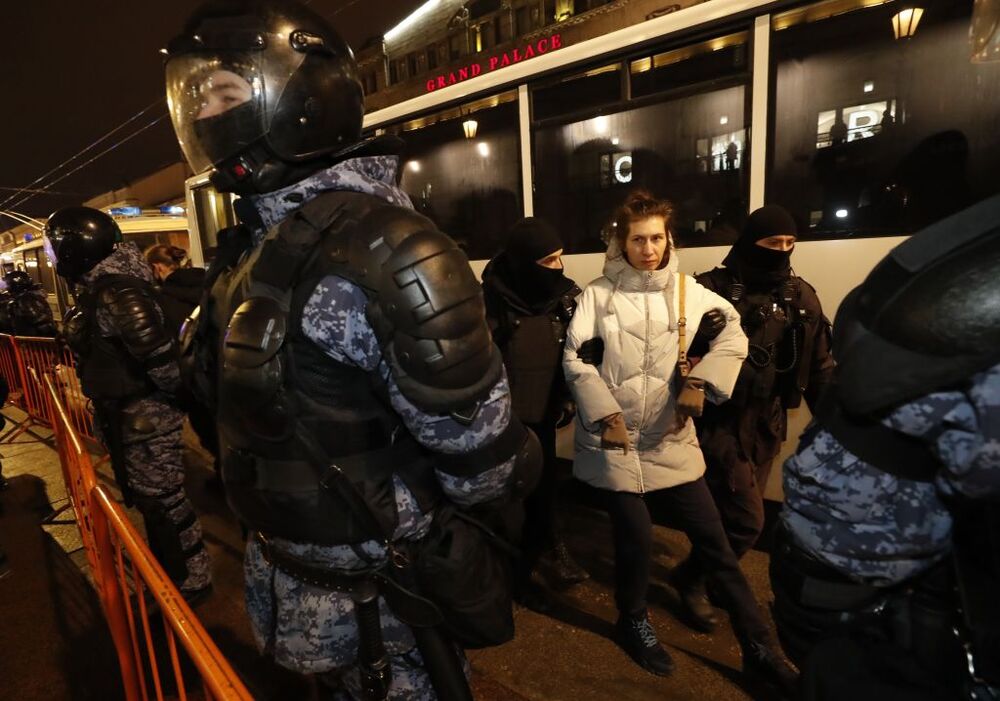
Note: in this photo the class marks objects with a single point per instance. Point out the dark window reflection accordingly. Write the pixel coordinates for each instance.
(689, 149)
(879, 136)
(601, 86)
(470, 187)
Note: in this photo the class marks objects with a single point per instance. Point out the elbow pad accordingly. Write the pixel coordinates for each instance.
(139, 320)
(426, 308)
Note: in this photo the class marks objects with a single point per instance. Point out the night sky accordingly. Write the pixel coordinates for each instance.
(72, 71)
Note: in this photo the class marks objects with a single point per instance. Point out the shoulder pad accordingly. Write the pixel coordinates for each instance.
(807, 295)
(426, 307)
(138, 318)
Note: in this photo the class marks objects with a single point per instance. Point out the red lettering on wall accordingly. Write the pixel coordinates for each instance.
(543, 45)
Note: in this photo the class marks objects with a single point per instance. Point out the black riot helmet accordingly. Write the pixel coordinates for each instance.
(926, 317)
(259, 89)
(18, 281)
(78, 238)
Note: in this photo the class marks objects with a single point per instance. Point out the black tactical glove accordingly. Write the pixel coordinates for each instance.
(712, 323)
(592, 351)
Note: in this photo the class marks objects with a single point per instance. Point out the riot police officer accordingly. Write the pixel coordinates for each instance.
(363, 409)
(891, 498)
(789, 358)
(28, 308)
(127, 363)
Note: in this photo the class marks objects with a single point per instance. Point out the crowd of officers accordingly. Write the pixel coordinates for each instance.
(385, 428)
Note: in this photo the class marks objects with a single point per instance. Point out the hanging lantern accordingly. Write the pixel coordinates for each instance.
(904, 22)
(470, 126)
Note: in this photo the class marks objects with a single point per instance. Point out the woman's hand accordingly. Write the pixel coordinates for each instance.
(691, 401)
(614, 435)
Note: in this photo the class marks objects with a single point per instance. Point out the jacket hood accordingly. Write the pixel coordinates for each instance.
(625, 277)
(126, 259)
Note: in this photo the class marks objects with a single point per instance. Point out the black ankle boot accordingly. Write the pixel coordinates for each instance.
(764, 663)
(636, 636)
(559, 567)
(696, 609)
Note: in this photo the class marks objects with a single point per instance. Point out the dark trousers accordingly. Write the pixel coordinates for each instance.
(538, 535)
(692, 508)
(737, 486)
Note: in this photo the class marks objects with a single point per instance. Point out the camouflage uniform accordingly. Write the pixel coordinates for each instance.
(882, 530)
(864, 554)
(311, 629)
(151, 433)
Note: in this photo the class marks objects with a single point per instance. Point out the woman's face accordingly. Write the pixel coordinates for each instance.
(646, 243)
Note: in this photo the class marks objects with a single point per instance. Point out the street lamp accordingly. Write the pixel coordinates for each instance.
(470, 126)
(904, 22)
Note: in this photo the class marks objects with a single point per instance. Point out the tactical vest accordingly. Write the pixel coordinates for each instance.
(780, 325)
(107, 371)
(301, 434)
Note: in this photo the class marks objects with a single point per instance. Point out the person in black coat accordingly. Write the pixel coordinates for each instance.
(180, 288)
(789, 360)
(180, 285)
(529, 303)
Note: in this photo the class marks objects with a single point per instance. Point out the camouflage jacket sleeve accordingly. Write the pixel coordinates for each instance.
(334, 318)
(963, 428)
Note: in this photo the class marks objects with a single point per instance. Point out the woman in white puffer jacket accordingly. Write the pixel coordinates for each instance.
(634, 435)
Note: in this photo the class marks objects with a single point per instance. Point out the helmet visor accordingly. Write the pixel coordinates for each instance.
(50, 251)
(216, 105)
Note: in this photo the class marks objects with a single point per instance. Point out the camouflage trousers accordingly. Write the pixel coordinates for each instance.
(313, 631)
(155, 470)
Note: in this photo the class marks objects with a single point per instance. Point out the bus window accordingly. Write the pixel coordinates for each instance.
(880, 136)
(213, 211)
(468, 181)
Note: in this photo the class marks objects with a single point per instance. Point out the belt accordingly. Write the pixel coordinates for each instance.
(409, 607)
(815, 584)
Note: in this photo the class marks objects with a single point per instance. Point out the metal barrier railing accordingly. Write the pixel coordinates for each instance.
(118, 556)
(47, 358)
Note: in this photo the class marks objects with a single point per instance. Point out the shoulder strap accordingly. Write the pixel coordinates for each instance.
(683, 366)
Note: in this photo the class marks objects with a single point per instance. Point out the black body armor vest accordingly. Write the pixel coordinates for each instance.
(107, 371)
(301, 434)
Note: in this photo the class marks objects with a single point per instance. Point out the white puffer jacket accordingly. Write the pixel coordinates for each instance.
(635, 313)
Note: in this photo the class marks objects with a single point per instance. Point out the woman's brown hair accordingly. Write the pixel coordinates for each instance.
(165, 254)
(640, 204)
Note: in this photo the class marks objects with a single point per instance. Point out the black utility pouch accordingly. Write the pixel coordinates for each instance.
(464, 568)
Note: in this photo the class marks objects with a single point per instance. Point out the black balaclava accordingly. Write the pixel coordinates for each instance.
(528, 241)
(756, 263)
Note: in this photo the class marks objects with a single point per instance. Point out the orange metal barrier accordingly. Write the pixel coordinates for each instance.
(18, 356)
(118, 556)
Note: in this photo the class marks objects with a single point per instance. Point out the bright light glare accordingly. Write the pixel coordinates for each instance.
(483, 148)
(409, 21)
(601, 125)
(614, 141)
(841, 213)
(723, 120)
(869, 85)
(414, 166)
